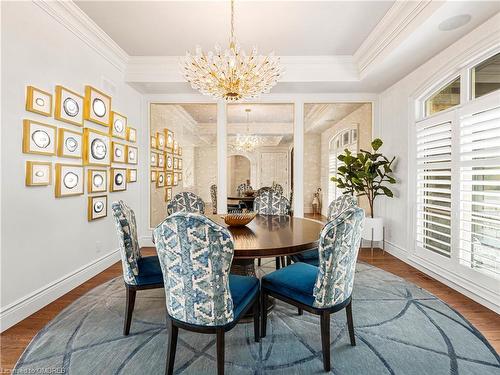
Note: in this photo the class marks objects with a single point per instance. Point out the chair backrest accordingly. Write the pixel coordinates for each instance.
(186, 202)
(340, 204)
(338, 251)
(242, 188)
(270, 203)
(277, 188)
(195, 256)
(213, 196)
(126, 228)
(263, 190)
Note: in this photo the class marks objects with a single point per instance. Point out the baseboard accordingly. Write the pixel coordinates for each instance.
(480, 295)
(24, 307)
(146, 241)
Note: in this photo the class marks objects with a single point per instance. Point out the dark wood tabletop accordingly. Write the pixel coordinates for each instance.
(242, 198)
(271, 236)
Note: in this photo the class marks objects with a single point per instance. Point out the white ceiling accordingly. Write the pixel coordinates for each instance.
(290, 28)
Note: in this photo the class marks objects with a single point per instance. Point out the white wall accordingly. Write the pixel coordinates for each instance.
(47, 245)
(396, 105)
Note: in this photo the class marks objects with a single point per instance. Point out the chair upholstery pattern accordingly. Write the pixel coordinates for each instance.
(271, 203)
(340, 204)
(126, 229)
(213, 196)
(242, 188)
(195, 256)
(338, 250)
(186, 202)
(263, 189)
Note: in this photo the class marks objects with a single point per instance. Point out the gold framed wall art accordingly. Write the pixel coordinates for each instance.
(69, 106)
(39, 138)
(38, 173)
(97, 107)
(38, 101)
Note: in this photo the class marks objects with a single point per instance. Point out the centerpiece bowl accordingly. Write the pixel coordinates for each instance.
(238, 219)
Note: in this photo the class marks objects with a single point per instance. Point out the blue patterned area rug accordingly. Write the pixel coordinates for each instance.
(400, 329)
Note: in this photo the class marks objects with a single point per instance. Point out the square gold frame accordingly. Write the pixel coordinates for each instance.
(26, 138)
(30, 90)
(60, 143)
(169, 139)
(89, 180)
(87, 110)
(112, 126)
(168, 194)
(112, 180)
(57, 109)
(129, 175)
(86, 150)
(127, 160)
(29, 173)
(131, 134)
(58, 180)
(125, 154)
(90, 207)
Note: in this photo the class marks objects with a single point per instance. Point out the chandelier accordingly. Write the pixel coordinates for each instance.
(246, 142)
(231, 75)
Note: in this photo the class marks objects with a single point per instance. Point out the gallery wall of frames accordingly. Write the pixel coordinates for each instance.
(165, 161)
(98, 160)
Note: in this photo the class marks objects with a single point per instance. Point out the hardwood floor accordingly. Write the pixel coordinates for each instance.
(14, 340)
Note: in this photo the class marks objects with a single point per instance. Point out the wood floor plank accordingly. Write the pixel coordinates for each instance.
(14, 340)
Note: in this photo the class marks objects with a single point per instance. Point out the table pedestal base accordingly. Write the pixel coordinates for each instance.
(246, 267)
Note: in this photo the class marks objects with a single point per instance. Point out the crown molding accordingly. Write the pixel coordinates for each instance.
(68, 14)
(399, 21)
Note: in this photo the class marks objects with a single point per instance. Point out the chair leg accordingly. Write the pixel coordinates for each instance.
(300, 311)
(220, 351)
(256, 319)
(325, 339)
(129, 309)
(350, 323)
(173, 332)
(278, 261)
(263, 313)
(259, 262)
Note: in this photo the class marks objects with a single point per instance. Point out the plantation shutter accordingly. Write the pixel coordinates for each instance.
(480, 185)
(433, 208)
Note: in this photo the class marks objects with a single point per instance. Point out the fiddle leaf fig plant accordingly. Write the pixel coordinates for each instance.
(366, 173)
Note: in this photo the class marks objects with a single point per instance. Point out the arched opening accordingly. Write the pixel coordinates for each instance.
(239, 171)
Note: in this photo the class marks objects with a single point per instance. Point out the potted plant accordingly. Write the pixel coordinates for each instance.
(367, 174)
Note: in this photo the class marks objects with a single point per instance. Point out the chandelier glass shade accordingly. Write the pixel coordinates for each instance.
(246, 142)
(232, 74)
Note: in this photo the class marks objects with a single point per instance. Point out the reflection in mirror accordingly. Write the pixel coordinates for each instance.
(183, 153)
(260, 144)
(329, 129)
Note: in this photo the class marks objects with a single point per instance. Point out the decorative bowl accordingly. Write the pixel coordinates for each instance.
(248, 193)
(238, 219)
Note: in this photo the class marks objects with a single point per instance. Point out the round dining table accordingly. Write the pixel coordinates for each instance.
(269, 236)
(247, 200)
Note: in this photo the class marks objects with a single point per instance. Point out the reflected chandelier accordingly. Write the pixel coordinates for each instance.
(231, 75)
(246, 142)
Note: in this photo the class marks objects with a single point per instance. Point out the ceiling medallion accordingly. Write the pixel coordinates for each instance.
(231, 75)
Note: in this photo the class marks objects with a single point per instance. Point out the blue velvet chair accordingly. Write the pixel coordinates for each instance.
(325, 289)
(334, 209)
(268, 202)
(201, 295)
(138, 272)
(186, 202)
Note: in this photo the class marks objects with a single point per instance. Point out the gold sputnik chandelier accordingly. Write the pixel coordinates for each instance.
(231, 75)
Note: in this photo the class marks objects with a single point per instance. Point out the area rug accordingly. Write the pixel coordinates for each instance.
(400, 329)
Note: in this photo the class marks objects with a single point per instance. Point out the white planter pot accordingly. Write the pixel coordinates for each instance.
(373, 229)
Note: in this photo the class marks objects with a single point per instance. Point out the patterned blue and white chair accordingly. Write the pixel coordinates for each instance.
(242, 188)
(201, 295)
(334, 209)
(277, 188)
(230, 207)
(325, 289)
(186, 202)
(138, 272)
(268, 202)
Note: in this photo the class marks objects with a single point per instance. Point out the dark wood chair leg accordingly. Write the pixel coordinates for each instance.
(263, 313)
(173, 332)
(220, 351)
(129, 309)
(300, 311)
(256, 319)
(288, 261)
(259, 262)
(325, 339)
(350, 323)
(278, 261)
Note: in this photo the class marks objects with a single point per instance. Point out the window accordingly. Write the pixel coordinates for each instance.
(486, 77)
(434, 184)
(480, 188)
(447, 97)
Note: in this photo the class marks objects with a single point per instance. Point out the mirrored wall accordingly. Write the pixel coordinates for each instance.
(183, 154)
(329, 129)
(260, 147)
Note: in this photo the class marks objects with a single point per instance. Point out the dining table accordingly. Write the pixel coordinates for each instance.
(247, 200)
